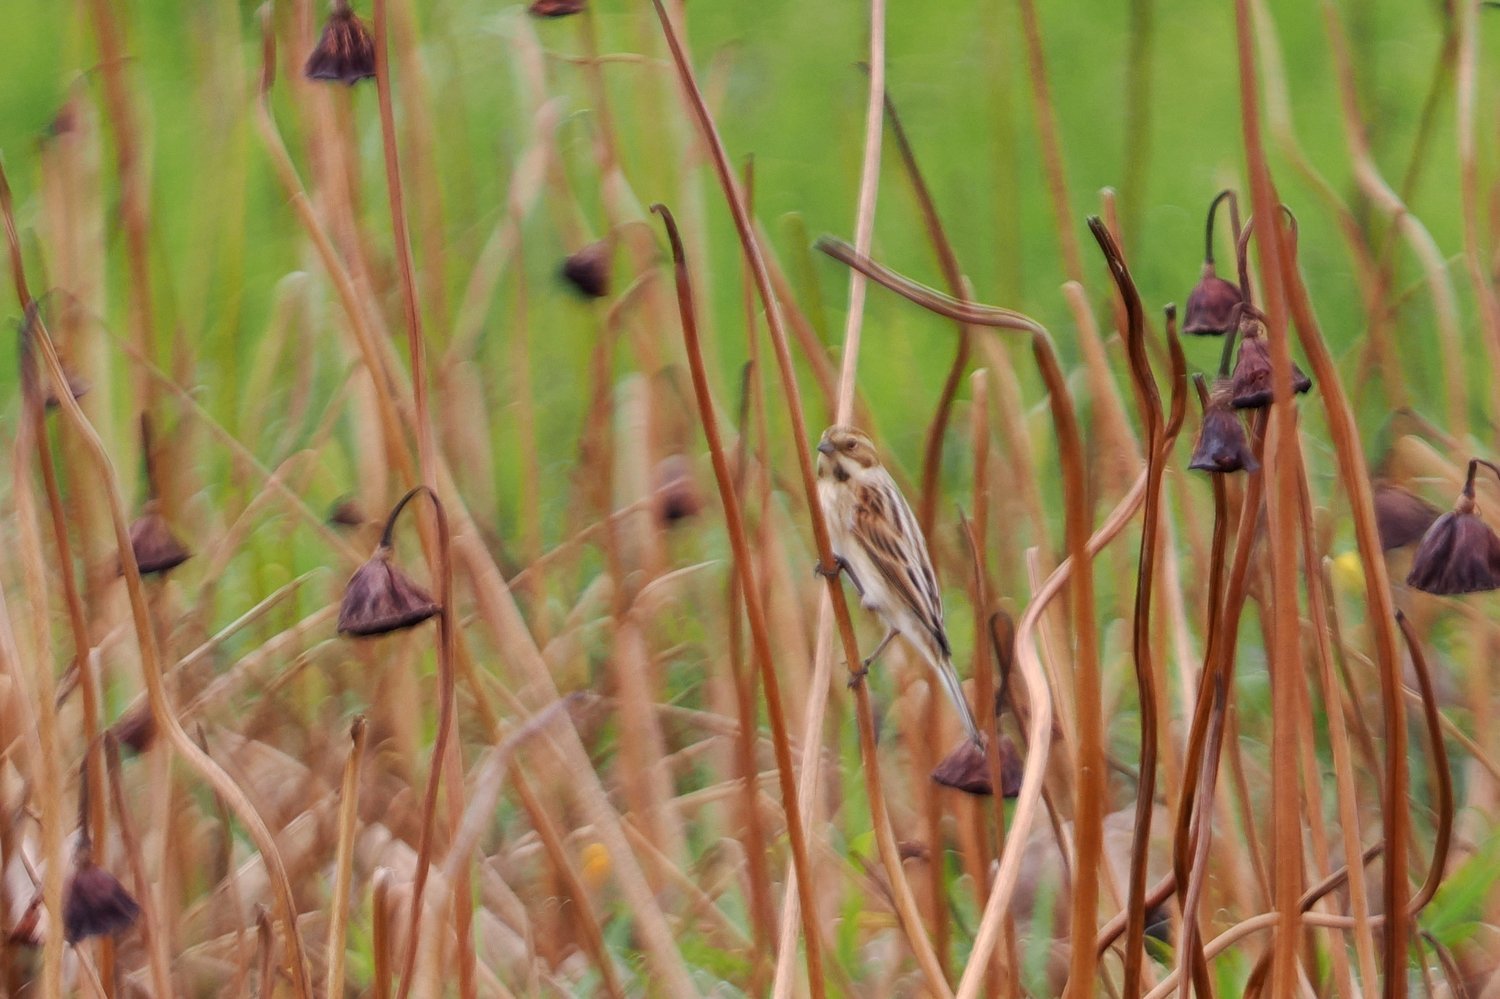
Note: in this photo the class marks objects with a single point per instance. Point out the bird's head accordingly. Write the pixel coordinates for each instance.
(845, 453)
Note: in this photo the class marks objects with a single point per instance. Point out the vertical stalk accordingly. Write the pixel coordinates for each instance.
(759, 633)
(885, 840)
(1282, 460)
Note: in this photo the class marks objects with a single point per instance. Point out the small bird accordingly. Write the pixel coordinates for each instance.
(877, 542)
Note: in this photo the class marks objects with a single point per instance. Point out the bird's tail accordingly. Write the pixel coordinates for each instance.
(954, 687)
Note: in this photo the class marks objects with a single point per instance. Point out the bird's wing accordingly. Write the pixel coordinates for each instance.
(886, 529)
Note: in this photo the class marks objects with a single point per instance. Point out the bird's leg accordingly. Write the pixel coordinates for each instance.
(840, 564)
(864, 664)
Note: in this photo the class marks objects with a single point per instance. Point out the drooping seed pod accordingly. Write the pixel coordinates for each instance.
(156, 548)
(1222, 446)
(1401, 516)
(1250, 385)
(1459, 553)
(345, 51)
(967, 769)
(380, 599)
(1211, 303)
(95, 904)
(588, 269)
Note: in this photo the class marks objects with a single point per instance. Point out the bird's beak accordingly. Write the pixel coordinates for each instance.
(826, 447)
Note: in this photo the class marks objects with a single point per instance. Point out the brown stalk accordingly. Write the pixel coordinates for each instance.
(48, 775)
(1282, 461)
(343, 863)
(864, 229)
(1367, 175)
(932, 460)
(1470, 206)
(552, 842)
(977, 535)
(1205, 739)
(161, 708)
(96, 818)
(416, 343)
(1052, 157)
(932, 452)
(890, 856)
(441, 762)
(1041, 715)
(1356, 478)
(1156, 455)
(1090, 788)
(754, 611)
(381, 918)
(1445, 805)
(762, 907)
(157, 960)
(1344, 767)
(134, 197)
(354, 308)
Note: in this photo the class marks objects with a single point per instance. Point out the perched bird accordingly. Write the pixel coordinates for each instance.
(877, 542)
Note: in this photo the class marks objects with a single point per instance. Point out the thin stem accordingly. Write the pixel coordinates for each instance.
(864, 214)
(344, 858)
(442, 766)
(759, 631)
(885, 840)
(1208, 230)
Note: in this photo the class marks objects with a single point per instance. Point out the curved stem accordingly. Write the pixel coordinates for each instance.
(1208, 229)
(885, 839)
(446, 711)
(759, 630)
(1145, 669)
(161, 708)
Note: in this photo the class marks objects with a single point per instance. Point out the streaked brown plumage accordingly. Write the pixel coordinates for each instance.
(876, 537)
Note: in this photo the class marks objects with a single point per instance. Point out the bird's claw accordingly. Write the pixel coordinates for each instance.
(839, 565)
(857, 676)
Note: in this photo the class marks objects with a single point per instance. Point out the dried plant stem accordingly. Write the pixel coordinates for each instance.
(1090, 788)
(1282, 461)
(151, 669)
(762, 907)
(1356, 479)
(343, 863)
(1471, 207)
(1052, 157)
(864, 217)
(1372, 183)
(134, 196)
(47, 793)
(416, 343)
(1344, 767)
(380, 921)
(1158, 445)
(157, 960)
(343, 284)
(552, 842)
(1443, 837)
(444, 756)
(932, 452)
(754, 611)
(885, 841)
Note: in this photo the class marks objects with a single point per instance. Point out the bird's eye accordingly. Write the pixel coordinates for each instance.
(849, 446)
